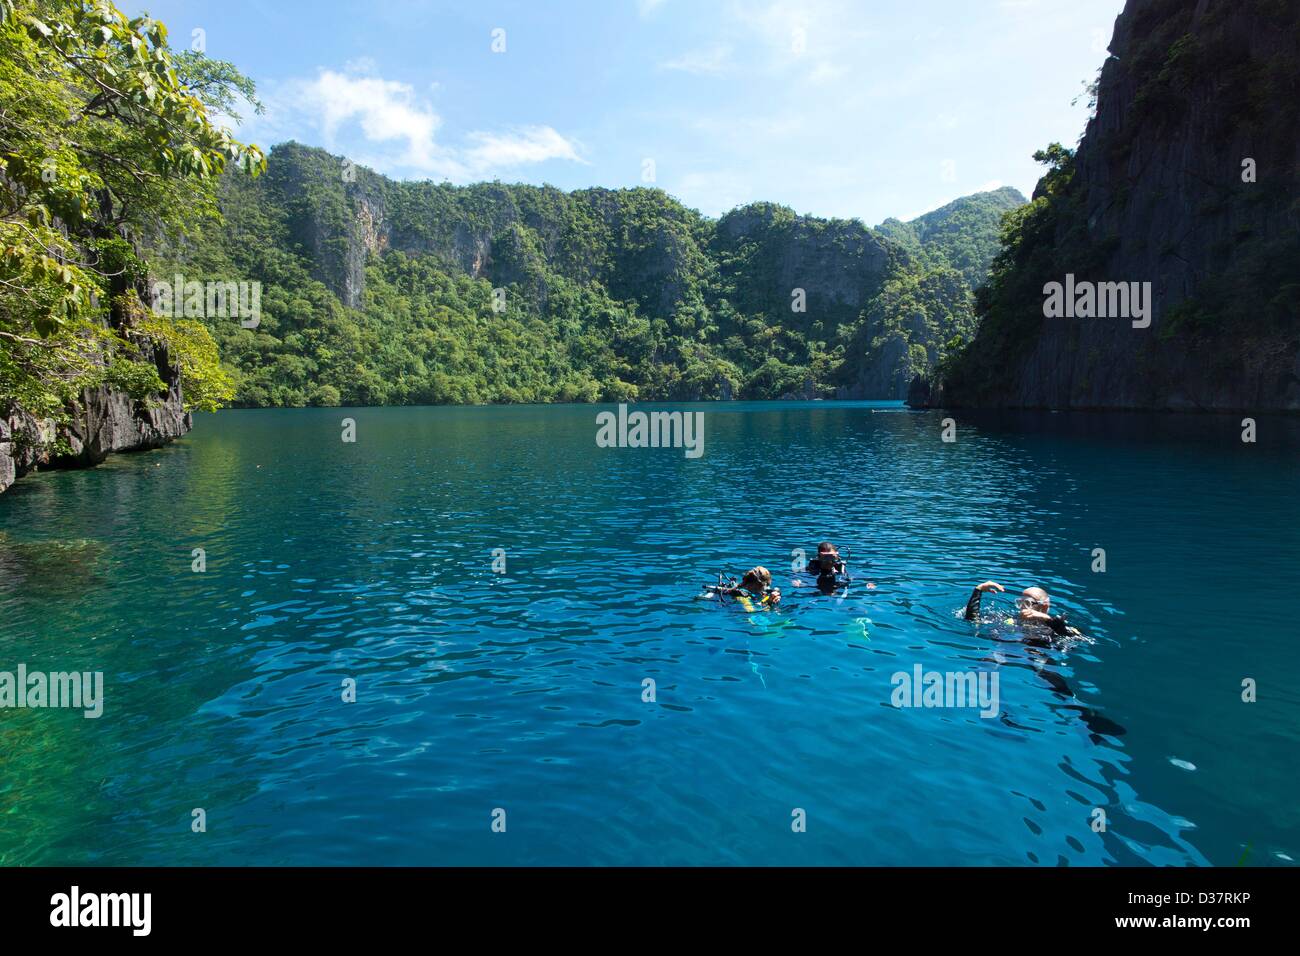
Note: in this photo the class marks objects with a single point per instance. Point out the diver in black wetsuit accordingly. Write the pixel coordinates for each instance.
(828, 566)
(1034, 604)
(827, 562)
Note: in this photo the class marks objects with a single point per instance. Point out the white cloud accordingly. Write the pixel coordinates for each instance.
(529, 144)
(385, 110)
(388, 125)
(711, 60)
(647, 7)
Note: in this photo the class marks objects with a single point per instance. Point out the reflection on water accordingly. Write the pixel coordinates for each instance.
(526, 690)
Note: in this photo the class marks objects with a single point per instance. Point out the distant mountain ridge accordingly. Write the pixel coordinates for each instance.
(382, 292)
(963, 234)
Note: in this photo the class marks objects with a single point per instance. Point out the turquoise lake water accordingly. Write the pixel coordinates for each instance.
(523, 691)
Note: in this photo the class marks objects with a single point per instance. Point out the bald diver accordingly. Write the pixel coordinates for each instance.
(1042, 633)
(1034, 606)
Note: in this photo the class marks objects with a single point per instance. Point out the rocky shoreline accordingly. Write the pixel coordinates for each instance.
(101, 423)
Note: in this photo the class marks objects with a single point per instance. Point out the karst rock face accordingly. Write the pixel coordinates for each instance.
(102, 421)
(1187, 177)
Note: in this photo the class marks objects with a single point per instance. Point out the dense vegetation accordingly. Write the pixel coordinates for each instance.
(379, 292)
(962, 235)
(104, 139)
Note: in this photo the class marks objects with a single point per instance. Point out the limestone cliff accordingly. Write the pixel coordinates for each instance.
(1187, 177)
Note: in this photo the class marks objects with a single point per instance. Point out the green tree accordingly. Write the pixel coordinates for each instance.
(102, 144)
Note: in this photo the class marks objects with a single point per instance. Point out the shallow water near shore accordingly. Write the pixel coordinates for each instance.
(523, 691)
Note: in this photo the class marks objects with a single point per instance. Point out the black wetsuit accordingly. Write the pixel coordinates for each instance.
(815, 567)
(1056, 622)
(827, 581)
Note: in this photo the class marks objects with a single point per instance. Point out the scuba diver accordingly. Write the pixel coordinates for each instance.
(828, 561)
(1034, 604)
(1041, 633)
(829, 567)
(755, 589)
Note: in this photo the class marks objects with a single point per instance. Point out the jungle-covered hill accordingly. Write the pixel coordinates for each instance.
(379, 292)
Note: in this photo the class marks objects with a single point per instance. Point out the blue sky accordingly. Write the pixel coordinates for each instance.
(850, 108)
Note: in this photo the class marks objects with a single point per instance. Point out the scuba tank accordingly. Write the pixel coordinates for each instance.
(747, 600)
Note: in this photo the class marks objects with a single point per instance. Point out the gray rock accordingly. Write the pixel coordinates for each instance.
(101, 423)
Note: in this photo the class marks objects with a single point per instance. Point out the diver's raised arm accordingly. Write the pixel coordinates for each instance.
(973, 605)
